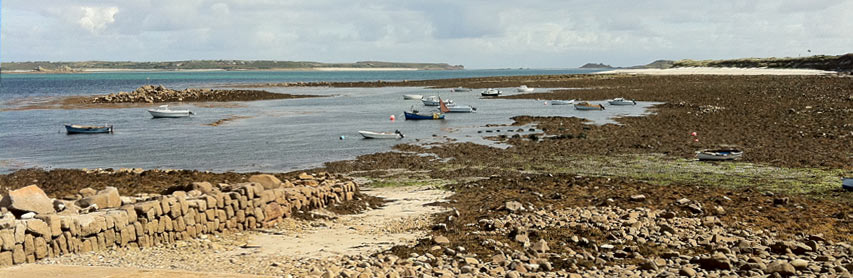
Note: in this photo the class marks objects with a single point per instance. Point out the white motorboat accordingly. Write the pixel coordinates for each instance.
(621, 101)
(164, 112)
(413, 97)
(490, 93)
(461, 89)
(721, 154)
(524, 89)
(562, 102)
(434, 101)
(381, 135)
(458, 108)
(588, 106)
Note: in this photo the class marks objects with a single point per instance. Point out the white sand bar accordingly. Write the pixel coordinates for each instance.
(718, 71)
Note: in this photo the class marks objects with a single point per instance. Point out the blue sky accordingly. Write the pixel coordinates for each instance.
(477, 34)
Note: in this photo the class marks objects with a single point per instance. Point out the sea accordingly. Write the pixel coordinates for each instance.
(266, 136)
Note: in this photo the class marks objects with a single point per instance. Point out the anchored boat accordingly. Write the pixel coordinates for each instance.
(490, 93)
(562, 102)
(164, 112)
(381, 135)
(524, 89)
(411, 97)
(588, 106)
(434, 101)
(88, 129)
(719, 154)
(461, 89)
(621, 101)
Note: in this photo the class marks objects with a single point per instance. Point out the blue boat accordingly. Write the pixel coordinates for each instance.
(847, 183)
(415, 115)
(84, 129)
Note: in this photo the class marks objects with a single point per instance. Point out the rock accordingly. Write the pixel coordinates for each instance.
(28, 199)
(541, 246)
(638, 198)
(718, 261)
(87, 192)
(441, 240)
(800, 263)
(782, 267)
(648, 265)
(683, 201)
(204, 187)
(471, 261)
(266, 180)
(305, 176)
(106, 198)
(687, 271)
(513, 206)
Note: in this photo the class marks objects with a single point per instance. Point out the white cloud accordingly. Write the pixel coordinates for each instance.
(95, 19)
(475, 33)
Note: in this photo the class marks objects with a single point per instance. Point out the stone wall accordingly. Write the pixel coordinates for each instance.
(163, 219)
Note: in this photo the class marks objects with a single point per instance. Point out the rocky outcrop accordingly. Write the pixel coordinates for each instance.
(153, 220)
(158, 94)
(28, 199)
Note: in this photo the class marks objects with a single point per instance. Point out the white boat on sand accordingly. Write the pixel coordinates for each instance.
(381, 135)
(434, 101)
(458, 108)
(524, 89)
(562, 102)
(412, 97)
(621, 101)
(490, 93)
(720, 154)
(164, 112)
(461, 89)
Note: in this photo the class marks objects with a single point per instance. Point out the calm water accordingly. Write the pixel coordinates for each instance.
(276, 135)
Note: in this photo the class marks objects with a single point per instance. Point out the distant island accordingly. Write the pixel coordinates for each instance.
(87, 66)
(841, 63)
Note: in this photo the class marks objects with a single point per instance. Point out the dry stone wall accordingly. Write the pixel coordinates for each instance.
(150, 221)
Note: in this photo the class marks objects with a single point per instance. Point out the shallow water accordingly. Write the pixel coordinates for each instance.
(278, 135)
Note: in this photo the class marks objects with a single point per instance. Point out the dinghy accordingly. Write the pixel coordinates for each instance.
(164, 112)
(524, 89)
(412, 97)
(847, 183)
(433, 101)
(490, 93)
(588, 106)
(621, 101)
(416, 115)
(381, 135)
(461, 89)
(458, 108)
(88, 129)
(719, 154)
(562, 102)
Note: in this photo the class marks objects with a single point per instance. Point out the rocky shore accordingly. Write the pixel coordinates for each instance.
(158, 94)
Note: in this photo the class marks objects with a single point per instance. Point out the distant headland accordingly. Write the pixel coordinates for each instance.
(202, 65)
(839, 63)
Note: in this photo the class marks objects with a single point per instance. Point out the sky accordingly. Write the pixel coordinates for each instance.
(473, 33)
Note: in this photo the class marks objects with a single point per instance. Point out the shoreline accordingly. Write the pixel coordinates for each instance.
(718, 71)
(330, 69)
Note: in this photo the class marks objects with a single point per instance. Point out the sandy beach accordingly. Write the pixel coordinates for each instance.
(718, 71)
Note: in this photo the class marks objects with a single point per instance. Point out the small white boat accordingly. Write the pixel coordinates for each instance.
(164, 112)
(490, 93)
(588, 106)
(461, 89)
(434, 101)
(721, 154)
(621, 101)
(524, 89)
(381, 135)
(847, 183)
(562, 102)
(412, 97)
(458, 108)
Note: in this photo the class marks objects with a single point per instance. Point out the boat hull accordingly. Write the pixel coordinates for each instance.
(423, 116)
(460, 109)
(460, 89)
(719, 155)
(589, 107)
(562, 102)
(434, 101)
(622, 102)
(379, 135)
(847, 183)
(490, 93)
(413, 97)
(169, 114)
(75, 129)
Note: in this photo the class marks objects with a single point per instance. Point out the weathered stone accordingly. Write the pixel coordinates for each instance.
(7, 239)
(40, 247)
(106, 198)
(266, 180)
(204, 187)
(28, 199)
(513, 206)
(638, 198)
(441, 240)
(6, 258)
(718, 261)
(87, 192)
(37, 227)
(782, 267)
(540, 246)
(800, 263)
(53, 222)
(687, 271)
